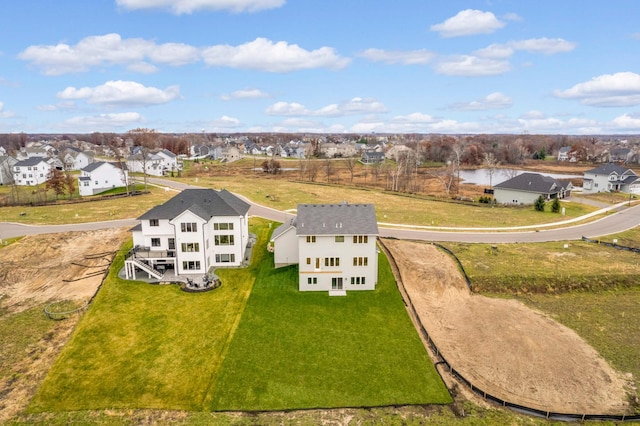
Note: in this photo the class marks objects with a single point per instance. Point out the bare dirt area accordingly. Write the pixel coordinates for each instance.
(69, 265)
(39, 269)
(503, 347)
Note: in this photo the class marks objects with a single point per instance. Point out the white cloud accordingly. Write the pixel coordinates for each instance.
(607, 90)
(494, 100)
(60, 106)
(224, 123)
(107, 50)
(3, 113)
(546, 46)
(627, 122)
(121, 93)
(468, 22)
(512, 17)
(407, 57)
(180, 7)
(265, 55)
(495, 51)
(471, 66)
(354, 106)
(244, 94)
(103, 122)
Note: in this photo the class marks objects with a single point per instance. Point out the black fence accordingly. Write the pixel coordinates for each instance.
(442, 361)
(614, 245)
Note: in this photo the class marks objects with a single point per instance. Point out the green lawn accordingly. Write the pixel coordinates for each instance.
(303, 350)
(145, 346)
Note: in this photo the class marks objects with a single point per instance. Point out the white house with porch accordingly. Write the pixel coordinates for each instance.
(32, 171)
(102, 176)
(334, 246)
(193, 232)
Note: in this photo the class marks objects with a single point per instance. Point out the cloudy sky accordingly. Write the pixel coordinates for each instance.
(354, 66)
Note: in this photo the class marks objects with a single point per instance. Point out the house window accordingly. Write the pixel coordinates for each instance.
(191, 265)
(360, 239)
(360, 261)
(225, 258)
(331, 261)
(154, 222)
(189, 227)
(155, 242)
(223, 226)
(224, 240)
(190, 247)
(339, 238)
(311, 238)
(172, 243)
(312, 280)
(85, 183)
(308, 261)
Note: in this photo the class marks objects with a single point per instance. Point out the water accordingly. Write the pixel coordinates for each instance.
(481, 176)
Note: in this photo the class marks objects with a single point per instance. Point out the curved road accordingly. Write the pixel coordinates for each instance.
(614, 223)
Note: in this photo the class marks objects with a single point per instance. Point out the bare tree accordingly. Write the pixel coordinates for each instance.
(312, 169)
(145, 139)
(328, 169)
(350, 164)
(115, 144)
(491, 163)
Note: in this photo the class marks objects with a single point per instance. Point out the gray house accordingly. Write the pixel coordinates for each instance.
(611, 177)
(6, 169)
(527, 187)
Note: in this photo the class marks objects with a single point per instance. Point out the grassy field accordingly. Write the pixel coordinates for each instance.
(305, 350)
(547, 268)
(145, 346)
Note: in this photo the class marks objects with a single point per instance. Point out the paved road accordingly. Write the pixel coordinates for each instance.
(614, 223)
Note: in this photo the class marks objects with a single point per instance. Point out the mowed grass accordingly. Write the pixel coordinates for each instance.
(87, 211)
(155, 347)
(296, 350)
(145, 346)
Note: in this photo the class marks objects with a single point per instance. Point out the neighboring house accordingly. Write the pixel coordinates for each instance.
(6, 169)
(229, 154)
(527, 187)
(169, 161)
(194, 231)
(32, 171)
(102, 176)
(610, 177)
(372, 157)
(621, 155)
(563, 153)
(334, 246)
(75, 159)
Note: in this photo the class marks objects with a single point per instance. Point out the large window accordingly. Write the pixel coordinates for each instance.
(311, 238)
(224, 240)
(312, 280)
(331, 261)
(225, 258)
(189, 227)
(360, 261)
(154, 222)
(223, 226)
(360, 239)
(190, 247)
(191, 265)
(155, 242)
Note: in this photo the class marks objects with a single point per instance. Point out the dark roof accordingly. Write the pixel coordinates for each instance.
(607, 169)
(336, 219)
(31, 161)
(283, 228)
(205, 203)
(83, 178)
(533, 182)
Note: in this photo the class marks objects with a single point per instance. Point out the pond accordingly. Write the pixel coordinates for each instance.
(481, 176)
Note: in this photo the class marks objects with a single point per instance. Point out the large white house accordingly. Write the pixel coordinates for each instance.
(610, 177)
(32, 171)
(334, 246)
(527, 187)
(102, 176)
(194, 231)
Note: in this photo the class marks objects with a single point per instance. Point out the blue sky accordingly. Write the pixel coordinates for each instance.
(340, 66)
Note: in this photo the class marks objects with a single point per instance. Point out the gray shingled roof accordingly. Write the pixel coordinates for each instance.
(283, 228)
(607, 169)
(205, 203)
(31, 161)
(533, 182)
(336, 219)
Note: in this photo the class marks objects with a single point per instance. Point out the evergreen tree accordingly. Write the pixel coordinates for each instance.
(555, 206)
(539, 204)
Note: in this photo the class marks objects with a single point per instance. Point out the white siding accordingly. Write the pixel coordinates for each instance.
(285, 248)
(511, 196)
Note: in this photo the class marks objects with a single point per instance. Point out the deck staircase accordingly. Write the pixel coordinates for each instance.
(147, 268)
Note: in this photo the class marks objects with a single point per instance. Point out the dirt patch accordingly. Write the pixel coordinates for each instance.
(502, 346)
(68, 265)
(39, 269)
